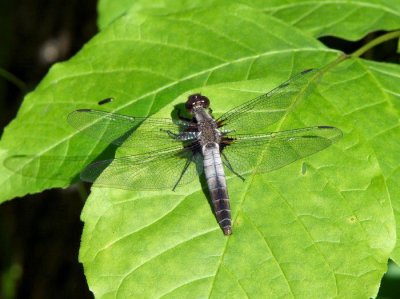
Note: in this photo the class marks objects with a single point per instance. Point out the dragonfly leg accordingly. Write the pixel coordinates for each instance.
(170, 134)
(229, 166)
(182, 174)
(183, 136)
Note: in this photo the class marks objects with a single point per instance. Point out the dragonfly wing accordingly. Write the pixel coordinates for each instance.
(161, 170)
(264, 153)
(153, 170)
(55, 168)
(255, 115)
(127, 131)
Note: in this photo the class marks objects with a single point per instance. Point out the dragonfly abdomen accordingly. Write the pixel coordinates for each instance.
(215, 176)
(223, 212)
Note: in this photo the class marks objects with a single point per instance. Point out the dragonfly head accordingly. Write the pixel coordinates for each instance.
(197, 100)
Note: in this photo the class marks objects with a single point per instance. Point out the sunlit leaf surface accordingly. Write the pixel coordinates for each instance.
(321, 227)
(349, 20)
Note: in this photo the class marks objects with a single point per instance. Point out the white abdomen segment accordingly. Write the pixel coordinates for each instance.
(215, 176)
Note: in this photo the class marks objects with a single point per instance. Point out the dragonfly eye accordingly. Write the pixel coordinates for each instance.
(197, 100)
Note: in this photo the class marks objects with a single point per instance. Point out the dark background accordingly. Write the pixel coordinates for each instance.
(40, 234)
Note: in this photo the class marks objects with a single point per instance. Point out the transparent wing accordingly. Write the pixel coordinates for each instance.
(55, 168)
(118, 129)
(160, 170)
(264, 153)
(151, 171)
(255, 115)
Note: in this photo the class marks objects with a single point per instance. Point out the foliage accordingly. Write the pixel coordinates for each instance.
(321, 227)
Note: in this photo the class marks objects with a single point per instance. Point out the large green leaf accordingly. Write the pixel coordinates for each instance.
(372, 105)
(312, 229)
(144, 63)
(345, 19)
(321, 227)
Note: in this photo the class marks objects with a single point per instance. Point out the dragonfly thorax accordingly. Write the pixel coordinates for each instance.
(207, 127)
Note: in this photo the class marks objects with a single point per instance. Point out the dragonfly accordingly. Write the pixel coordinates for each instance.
(173, 152)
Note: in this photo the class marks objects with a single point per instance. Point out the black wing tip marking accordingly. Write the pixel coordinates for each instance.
(289, 82)
(306, 71)
(105, 101)
(331, 128)
(84, 110)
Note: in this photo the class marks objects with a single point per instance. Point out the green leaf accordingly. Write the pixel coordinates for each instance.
(143, 66)
(321, 227)
(310, 228)
(345, 19)
(350, 20)
(372, 105)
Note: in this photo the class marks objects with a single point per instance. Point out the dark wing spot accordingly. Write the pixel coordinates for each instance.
(306, 71)
(105, 101)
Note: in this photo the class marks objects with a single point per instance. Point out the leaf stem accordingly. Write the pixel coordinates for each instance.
(13, 79)
(359, 52)
(375, 42)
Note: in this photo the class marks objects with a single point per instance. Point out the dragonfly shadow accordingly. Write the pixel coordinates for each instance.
(179, 112)
(98, 164)
(105, 157)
